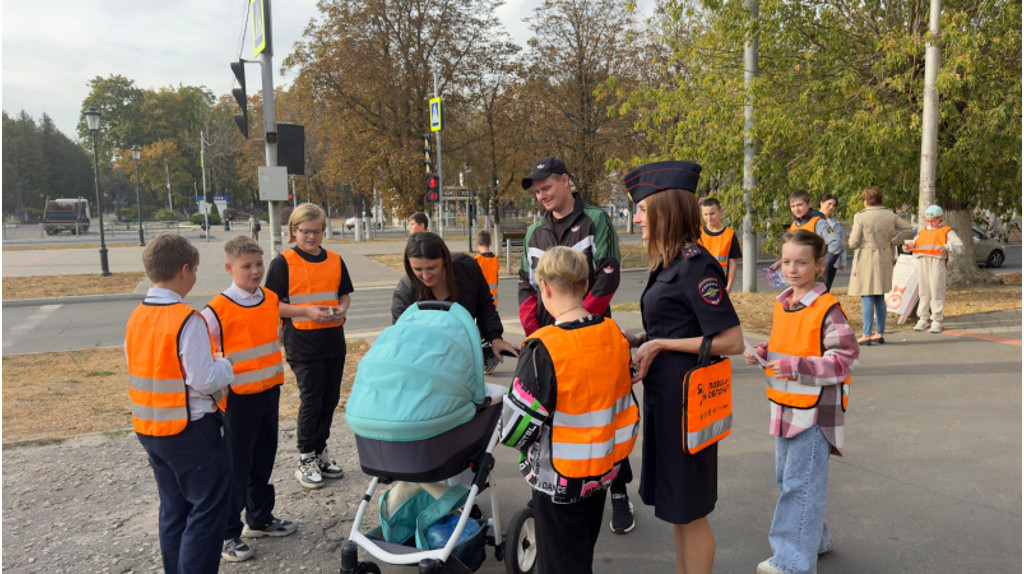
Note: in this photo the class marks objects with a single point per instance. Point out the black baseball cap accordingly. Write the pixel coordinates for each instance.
(543, 168)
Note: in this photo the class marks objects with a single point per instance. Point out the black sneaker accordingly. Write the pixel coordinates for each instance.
(622, 514)
(275, 527)
(491, 363)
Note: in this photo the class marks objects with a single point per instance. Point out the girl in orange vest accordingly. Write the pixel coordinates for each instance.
(809, 357)
(931, 248)
(310, 276)
(571, 413)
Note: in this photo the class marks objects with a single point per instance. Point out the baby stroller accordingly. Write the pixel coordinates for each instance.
(421, 414)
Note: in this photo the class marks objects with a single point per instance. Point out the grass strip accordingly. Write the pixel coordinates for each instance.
(70, 285)
(54, 395)
(56, 247)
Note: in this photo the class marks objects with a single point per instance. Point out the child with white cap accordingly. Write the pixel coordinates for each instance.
(931, 248)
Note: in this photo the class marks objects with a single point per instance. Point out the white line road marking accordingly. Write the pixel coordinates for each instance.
(31, 322)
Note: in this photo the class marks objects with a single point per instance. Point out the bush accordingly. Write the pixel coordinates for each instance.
(286, 212)
(34, 215)
(167, 215)
(197, 219)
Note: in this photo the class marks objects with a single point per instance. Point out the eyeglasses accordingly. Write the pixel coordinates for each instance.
(308, 232)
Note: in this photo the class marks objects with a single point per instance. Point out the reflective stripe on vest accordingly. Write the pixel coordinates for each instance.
(490, 266)
(158, 392)
(718, 245)
(248, 337)
(596, 420)
(313, 284)
(809, 226)
(929, 240)
(799, 334)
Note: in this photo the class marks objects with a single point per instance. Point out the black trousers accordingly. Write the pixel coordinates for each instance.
(252, 434)
(624, 477)
(193, 477)
(319, 390)
(567, 533)
(830, 269)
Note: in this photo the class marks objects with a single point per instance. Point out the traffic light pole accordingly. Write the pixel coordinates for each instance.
(270, 133)
(202, 166)
(440, 172)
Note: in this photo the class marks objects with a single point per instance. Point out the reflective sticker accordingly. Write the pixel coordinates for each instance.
(710, 290)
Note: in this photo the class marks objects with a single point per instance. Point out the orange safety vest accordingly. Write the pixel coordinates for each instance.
(313, 284)
(798, 334)
(928, 240)
(809, 226)
(248, 337)
(596, 417)
(158, 392)
(718, 245)
(489, 265)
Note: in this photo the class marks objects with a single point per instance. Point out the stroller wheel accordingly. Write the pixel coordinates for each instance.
(521, 544)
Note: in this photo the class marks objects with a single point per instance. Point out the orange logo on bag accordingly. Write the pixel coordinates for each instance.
(707, 410)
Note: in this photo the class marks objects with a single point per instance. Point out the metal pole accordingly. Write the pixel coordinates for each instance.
(167, 170)
(138, 199)
(440, 172)
(202, 166)
(104, 266)
(930, 115)
(295, 198)
(270, 127)
(750, 248)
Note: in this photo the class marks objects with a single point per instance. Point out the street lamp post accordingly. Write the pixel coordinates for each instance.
(136, 157)
(92, 121)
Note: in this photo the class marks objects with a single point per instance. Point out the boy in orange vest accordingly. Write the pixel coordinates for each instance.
(931, 248)
(809, 219)
(243, 323)
(176, 392)
(489, 265)
(720, 241)
(571, 398)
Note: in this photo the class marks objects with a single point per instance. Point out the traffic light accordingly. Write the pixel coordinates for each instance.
(428, 158)
(241, 119)
(433, 189)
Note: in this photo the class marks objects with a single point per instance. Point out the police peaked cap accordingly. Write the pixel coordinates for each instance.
(654, 177)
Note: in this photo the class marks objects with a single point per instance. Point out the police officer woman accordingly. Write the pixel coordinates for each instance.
(685, 300)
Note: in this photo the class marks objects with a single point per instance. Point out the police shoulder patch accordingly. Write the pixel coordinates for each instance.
(710, 290)
(691, 252)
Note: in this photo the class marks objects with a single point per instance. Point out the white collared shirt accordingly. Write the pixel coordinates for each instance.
(238, 295)
(203, 374)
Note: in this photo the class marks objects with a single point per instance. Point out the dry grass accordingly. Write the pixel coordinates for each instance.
(64, 246)
(755, 309)
(49, 396)
(395, 261)
(70, 285)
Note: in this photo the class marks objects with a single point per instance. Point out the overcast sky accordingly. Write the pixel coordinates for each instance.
(52, 48)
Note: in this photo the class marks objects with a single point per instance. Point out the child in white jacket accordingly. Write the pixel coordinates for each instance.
(931, 248)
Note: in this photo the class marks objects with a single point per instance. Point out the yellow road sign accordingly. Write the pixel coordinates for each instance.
(436, 115)
(259, 26)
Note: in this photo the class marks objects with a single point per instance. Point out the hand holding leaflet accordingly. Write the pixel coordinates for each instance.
(760, 361)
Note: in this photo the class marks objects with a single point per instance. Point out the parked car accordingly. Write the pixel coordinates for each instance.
(988, 250)
(350, 223)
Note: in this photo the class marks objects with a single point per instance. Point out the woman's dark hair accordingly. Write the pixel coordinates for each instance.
(427, 245)
(807, 239)
(828, 197)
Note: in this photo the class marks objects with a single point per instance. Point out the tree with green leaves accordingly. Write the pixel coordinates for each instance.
(838, 104)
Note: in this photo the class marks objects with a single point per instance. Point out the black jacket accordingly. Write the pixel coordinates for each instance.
(474, 295)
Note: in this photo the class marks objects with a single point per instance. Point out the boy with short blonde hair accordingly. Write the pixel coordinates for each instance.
(243, 323)
(574, 370)
(176, 393)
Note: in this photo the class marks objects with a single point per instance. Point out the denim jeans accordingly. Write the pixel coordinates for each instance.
(799, 531)
(873, 307)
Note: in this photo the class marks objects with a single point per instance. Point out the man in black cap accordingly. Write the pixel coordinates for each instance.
(571, 223)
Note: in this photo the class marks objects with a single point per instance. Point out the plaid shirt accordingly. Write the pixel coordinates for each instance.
(828, 371)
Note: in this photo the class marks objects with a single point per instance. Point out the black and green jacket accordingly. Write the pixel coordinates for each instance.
(589, 230)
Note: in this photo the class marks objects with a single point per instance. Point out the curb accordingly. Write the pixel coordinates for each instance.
(74, 300)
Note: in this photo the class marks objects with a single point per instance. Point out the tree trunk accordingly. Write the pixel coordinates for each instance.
(963, 270)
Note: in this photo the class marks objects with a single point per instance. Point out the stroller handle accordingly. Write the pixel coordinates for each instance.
(435, 305)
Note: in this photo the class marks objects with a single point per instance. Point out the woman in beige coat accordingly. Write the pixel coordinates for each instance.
(873, 237)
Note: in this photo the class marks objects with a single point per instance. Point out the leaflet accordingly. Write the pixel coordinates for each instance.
(761, 362)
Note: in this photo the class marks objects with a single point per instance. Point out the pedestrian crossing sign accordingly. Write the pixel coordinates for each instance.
(436, 115)
(259, 29)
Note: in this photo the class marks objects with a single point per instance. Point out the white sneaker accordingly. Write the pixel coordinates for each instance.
(936, 327)
(234, 550)
(766, 568)
(922, 325)
(328, 468)
(308, 473)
